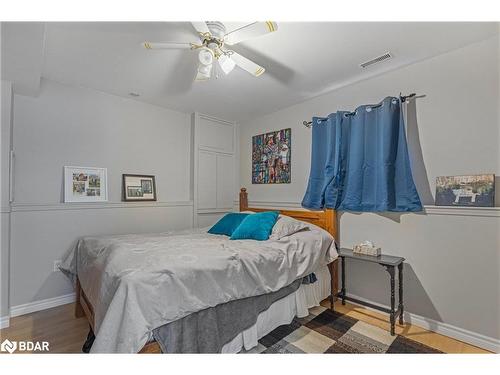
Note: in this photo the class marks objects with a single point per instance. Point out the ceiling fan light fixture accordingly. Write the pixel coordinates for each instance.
(206, 56)
(226, 64)
(204, 72)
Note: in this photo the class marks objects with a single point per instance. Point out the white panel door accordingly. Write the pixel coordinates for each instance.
(225, 180)
(216, 136)
(207, 180)
(5, 147)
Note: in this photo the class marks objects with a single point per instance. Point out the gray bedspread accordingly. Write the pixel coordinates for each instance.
(137, 283)
(207, 331)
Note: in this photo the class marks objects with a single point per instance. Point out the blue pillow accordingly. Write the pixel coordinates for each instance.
(256, 226)
(227, 224)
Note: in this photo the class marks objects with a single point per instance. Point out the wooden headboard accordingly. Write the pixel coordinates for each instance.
(326, 219)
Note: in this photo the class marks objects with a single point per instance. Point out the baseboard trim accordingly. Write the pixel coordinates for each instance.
(469, 337)
(473, 338)
(4, 322)
(44, 304)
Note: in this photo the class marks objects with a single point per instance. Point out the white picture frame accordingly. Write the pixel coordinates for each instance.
(85, 184)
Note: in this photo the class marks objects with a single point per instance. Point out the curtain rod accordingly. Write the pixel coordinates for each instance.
(404, 98)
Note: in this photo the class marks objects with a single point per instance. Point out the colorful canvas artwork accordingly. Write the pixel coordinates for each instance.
(477, 190)
(271, 157)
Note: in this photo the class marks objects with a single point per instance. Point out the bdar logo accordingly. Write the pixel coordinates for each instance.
(24, 346)
(8, 346)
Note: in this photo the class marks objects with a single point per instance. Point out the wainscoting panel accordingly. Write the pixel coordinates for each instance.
(40, 237)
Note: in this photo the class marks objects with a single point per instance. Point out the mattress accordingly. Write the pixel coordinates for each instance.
(283, 311)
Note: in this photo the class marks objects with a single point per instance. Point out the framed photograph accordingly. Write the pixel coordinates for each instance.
(271, 157)
(472, 191)
(85, 184)
(139, 188)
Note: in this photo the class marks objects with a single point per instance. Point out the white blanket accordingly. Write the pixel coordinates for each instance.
(139, 282)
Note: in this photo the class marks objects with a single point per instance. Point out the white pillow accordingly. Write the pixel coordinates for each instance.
(285, 226)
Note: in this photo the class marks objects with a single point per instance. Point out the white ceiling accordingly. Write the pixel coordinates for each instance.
(302, 60)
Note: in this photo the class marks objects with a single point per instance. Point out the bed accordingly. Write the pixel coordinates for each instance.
(280, 312)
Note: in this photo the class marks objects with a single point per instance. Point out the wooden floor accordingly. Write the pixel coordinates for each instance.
(67, 334)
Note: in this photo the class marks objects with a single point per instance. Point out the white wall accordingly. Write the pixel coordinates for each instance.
(452, 270)
(75, 126)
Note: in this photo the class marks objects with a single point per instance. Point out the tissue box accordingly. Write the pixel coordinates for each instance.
(366, 250)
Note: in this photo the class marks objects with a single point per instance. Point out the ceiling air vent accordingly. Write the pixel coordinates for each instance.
(376, 60)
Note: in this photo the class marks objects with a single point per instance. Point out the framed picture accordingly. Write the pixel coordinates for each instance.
(474, 191)
(139, 188)
(271, 157)
(85, 184)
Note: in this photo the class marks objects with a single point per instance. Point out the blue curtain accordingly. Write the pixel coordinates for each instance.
(359, 161)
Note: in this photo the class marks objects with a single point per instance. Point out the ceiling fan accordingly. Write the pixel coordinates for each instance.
(212, 47)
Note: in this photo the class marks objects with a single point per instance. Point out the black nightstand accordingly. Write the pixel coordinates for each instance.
(390, 263)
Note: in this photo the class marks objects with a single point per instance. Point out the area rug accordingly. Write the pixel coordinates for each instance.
(325, 331)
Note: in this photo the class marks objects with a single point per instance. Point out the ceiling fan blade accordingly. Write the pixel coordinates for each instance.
(250, 31)
(246, 64)
(167, 45)
(201, 27)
